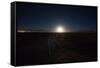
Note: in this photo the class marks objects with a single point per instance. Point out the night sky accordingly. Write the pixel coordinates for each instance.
(47, 17)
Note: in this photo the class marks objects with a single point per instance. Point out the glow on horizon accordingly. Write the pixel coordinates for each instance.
(60, 29)
(21, 31)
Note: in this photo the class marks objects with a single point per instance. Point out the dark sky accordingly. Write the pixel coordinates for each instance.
(74, 18)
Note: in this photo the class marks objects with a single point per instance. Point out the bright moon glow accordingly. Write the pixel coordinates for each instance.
(60, 29)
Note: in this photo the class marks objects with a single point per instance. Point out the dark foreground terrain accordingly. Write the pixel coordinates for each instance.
(50, 48)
